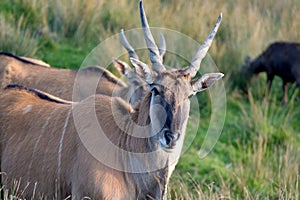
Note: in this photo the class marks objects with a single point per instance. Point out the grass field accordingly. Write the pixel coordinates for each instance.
(258, 153)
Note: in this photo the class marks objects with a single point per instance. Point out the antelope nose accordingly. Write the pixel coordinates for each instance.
(170, 138)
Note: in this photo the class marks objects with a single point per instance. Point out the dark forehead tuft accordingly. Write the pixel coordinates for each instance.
(170, 74)
(173, 83)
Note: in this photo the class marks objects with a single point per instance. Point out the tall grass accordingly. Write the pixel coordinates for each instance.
(257, 156)
(15, 39)
(247, 27)
(270, 161)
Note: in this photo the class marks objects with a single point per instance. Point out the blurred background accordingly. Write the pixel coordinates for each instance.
(258, 153)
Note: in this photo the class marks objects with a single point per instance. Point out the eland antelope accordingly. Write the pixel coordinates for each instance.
(279, 59)
(100, 147)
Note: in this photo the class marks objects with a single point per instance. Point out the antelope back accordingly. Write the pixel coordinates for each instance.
(59, 82)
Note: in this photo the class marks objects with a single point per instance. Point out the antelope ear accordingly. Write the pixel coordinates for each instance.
(121, 66)
(248, 59)
(205, 81)
(142, 70)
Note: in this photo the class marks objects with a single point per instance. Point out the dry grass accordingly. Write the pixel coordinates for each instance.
(247, 27)
(15, 39)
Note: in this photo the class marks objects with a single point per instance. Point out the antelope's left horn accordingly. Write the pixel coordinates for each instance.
(155, 56)
(201, 52)
(128, 47)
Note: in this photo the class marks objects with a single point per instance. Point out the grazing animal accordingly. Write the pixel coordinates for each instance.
(56, 148)
(60, 82)
(279, 59)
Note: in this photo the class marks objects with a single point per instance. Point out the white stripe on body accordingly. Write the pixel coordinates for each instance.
(60, 151)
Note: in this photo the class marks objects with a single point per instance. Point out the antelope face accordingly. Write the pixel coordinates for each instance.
(246, 67)
(169, 108)
(169, 102)
(170, 89)
(246, 63)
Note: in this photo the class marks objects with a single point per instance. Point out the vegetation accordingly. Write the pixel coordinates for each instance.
(257, 155)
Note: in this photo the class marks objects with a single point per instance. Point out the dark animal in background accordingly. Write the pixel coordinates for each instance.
(281, 59)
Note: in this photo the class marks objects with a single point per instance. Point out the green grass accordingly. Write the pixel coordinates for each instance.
(257, 155)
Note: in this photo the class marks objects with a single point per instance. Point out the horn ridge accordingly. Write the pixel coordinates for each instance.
(155, 57)
(202, 51)
(127, 46)
(162, 45)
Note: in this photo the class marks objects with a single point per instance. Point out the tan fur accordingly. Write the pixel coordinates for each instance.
(38, 62)
(59, 82)
(127, 154)
(17, 142)
(80, 174)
